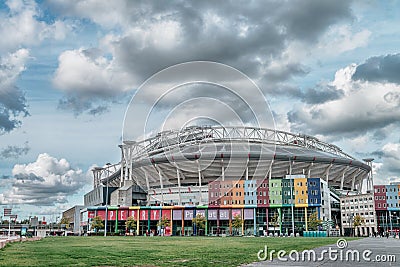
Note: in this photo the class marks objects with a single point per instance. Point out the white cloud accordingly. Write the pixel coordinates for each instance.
(46, 181)
(12, 66)
(90, 73)
(21, 26)
(363, 108)
(392, 150)
(343, 39)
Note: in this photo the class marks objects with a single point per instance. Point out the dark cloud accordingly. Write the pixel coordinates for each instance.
(12, 107)
(307, 20)
(286, 72)
(321, 94)
(250, 36)
(28, 177)
(14, 151)
(316, 121)
(379, 69)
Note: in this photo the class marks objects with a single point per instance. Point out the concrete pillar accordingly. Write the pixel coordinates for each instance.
(199, 174)
(222, 170)
(179, 184)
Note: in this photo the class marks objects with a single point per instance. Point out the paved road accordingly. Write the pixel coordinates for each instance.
(379, 247)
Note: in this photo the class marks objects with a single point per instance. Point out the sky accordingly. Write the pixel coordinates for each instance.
(68, 70)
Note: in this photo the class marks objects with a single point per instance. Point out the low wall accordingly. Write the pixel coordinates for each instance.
(4, 242)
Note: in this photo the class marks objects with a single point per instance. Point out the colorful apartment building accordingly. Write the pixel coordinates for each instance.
(387, 205)
(256, 201)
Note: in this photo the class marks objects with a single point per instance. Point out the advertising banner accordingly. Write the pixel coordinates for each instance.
(201, 212)
(123, 215)
(188, 215)
(166, 214)
(248, 214)
(224, 214)
(144, 215)
(212, 215)
(177, 215)
(91, 214)
(101, 214)
(154, 215)
(236, 212)
(112, 215)
(133, 213)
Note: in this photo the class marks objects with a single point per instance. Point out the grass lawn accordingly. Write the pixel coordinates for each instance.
(148, 251)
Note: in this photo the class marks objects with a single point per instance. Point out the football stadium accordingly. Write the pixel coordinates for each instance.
(272, 180)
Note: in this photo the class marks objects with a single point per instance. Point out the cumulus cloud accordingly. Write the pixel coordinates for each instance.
(363, 107)
(21, 25)
(22, 21)
(14, 151)
(88, 78)
(46, 182)
(150, 36)
(12, 99)
(389, 166)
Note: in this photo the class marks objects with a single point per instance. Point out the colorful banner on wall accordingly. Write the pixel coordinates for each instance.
(177, 214)
(144, 215)
(224, 214)
(101, 214)
(155, 215)
(212, 215)
(201, 212)
(248, 214)
(112, 215)
(188, 214)
(123, 215)
(236, 212)
(166, 214)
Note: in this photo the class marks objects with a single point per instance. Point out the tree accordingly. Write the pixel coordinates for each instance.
(130, 223)
(358, 221)
(314, 222)
(164, 222)
(275, 221)
(200, 222)
(66, 221)
(97, 223)
(237, 223)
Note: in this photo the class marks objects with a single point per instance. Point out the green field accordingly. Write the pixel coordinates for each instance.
(148, 251)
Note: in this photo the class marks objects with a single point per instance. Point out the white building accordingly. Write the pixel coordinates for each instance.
(362, 205)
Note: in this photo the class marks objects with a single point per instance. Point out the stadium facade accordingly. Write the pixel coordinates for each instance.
(274, 180)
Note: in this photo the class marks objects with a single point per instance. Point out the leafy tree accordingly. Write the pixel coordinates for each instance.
(314, 222)
(358, 221)
(66, 221)
(237, 222)
(164, 222)
(275, 221)
(97, 223)
(130, 223)
(200, 222)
